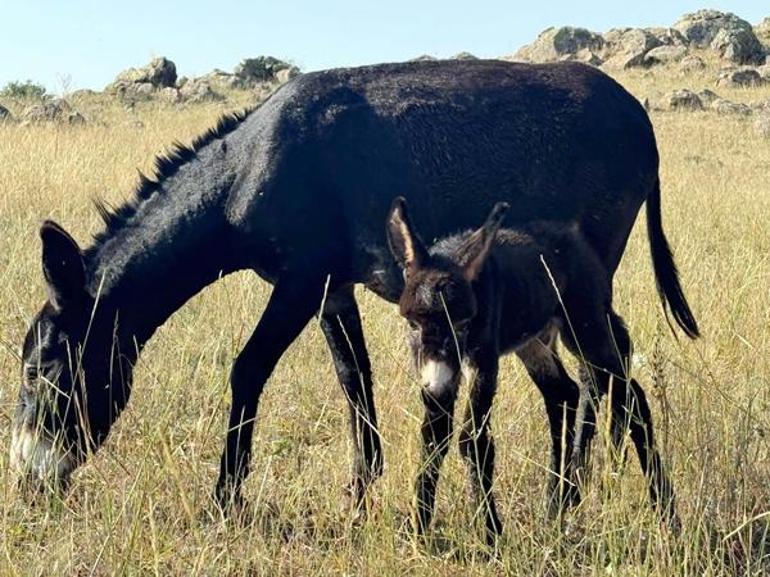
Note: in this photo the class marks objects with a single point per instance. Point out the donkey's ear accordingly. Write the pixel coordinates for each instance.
(62, 266)
(404, 242)
(480, 242)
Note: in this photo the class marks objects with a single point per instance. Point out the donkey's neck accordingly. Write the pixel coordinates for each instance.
(166, 247)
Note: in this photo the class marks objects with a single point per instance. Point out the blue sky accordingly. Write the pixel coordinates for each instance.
(89, 41)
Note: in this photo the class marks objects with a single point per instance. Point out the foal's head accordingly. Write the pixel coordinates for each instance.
(438, 298)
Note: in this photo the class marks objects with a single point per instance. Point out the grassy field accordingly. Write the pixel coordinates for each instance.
(141, 506)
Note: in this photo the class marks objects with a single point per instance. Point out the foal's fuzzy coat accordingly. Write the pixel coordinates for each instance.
(475, 296)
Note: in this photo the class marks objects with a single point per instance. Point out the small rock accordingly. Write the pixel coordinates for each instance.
(707, 96)
(762, 125)
(722, 106)
(57, 109)
(681, 100)
(690, 64)
(740, 77)
(665, 55)
(199, 90)
(169, 94)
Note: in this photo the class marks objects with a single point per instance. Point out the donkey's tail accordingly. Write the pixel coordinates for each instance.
(666, 274)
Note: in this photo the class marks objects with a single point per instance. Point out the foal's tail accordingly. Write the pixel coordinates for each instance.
(666, 274)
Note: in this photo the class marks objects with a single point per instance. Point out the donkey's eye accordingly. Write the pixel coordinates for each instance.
(413, 325)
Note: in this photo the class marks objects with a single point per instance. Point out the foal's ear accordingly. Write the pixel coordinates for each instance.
(63, 267)
(480, 242)
(404, 242)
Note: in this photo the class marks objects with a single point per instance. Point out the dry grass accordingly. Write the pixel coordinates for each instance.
(141, 505)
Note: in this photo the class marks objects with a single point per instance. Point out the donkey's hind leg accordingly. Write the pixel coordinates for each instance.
(560, 394)
(341, 324)
(606, 348)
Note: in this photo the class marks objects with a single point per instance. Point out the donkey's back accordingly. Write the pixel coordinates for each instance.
(558, 141)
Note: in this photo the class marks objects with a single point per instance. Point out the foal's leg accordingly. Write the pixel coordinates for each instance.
(292, 304)
(606, 347)
(561, 395)
(341, 324)
(476, 443)
(436, 431)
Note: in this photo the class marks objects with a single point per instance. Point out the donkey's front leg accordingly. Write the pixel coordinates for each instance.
(341, 324)
(476, 443)
(291, 305)
(438, 395)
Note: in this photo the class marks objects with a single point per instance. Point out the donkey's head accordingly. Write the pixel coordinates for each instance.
(438, 299)
(73, 386)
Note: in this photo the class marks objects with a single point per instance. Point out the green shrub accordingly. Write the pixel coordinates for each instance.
(24, 90)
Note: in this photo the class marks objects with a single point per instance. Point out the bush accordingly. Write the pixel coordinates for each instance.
(24, 90)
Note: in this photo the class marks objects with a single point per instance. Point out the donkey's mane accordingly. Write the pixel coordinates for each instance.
(166, 165)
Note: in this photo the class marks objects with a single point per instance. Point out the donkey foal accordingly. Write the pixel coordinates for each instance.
(477, 295)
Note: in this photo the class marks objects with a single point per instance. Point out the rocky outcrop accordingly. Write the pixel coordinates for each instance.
(732, 37)
(740, 77)
(143, 83)
(563, 43)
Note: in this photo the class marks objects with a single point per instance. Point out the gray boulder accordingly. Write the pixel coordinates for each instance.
(131, 91)
(740, 77)
(564, 43)
(199, 90)
(53, 110)
(626, 48)
(160, 73)
(732, 37)
(725, 107)
(666, 54)
(708, 97)
(681, 100)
